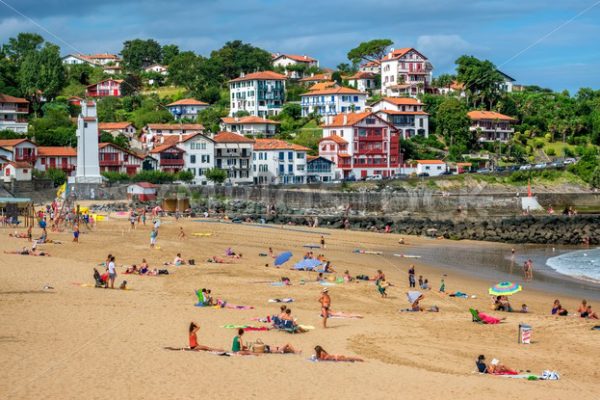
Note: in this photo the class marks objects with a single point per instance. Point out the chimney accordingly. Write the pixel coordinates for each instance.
(242, 74)
(180, 137)
(345, 119)
(306, 57)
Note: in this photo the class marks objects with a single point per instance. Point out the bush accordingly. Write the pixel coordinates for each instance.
(156, 177)
(548, 137)
(538, 143)
(115, 176)
(185, 176)
(551, 151)
(568, 152)
(58, 176)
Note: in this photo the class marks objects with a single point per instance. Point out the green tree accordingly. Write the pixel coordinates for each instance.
(185, 176)
(444, 80)
(211, 118)
(120, 140)
(17, 48)
(344, 68)
(131, 85)
(42, 74)
(216, 175)
(6, 134)
(58, 176)
(372, 50)
(139, 53)
(481, 80)
(291, 110)
(169, 51)
(185, 70)
(80, 73)
(452, 123)
(236, 57)
(108, 109)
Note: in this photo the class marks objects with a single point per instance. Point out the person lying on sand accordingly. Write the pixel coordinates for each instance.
(494, 368)
(25, 252)
(21, 235)
(285, 349)
(132, 270)
(347, 277)
(488, 319)
(218, 260)
(322, 355)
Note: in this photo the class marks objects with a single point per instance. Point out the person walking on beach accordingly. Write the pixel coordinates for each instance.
(322, 242)
(181, 235)
(112, 272)
(411, 276)
(325, 301)
(530, 270)
(75, 233)
(153, 236)
(144, 217)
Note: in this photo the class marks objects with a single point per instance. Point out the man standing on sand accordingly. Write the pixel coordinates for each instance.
(325, 301)
(112, 272)
(153, 236)
(411, 276)
(322, 242)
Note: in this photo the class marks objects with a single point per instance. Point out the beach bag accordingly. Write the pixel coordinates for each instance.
(192, 262)
(163, 272)
(258, 346)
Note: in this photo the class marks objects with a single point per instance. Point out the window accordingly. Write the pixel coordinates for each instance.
(43, 160)
(281, 155)
(300, 167)
(205, 158)
(254, 156)
(192, 159)
(300, 155)
(192, 170)
(290, 168)
(281, 170)
(254, 167)
(290, 155)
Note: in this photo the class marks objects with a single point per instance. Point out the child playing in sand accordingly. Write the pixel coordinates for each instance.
(181, 235)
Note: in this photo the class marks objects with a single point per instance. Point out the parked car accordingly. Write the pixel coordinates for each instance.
(569, 161)
(525, 167)
(500, 169)
(540, 166)
(483, 171)
(556, 164)
(351, 178)
(376, 177)
(423, 175)
(400, 176)
(512, 168)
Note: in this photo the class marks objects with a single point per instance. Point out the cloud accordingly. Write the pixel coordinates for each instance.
(443, 50)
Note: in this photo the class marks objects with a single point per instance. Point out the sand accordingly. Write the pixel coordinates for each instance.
(78, 342)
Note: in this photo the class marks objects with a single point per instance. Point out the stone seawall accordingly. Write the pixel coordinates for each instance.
(539, 230)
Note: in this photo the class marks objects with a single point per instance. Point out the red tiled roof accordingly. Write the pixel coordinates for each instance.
(106, 80)
(322, 85)
(297, 58)
(394, 112)
(188, 102)
(335, 138)
(54, 151)
(173, 127)
(263, 75)
(477, 115)
(457, 85)
(5, 98)
(113, 125)
(348, 119)
(104, 55)
(146, 185)
(430, 162)
(317, 77)
(276, 144)
(396, 54)
(20, 164)
(90, 119)
(231, 137)
(165, 146)
(12, 142)
(371, 63)
(104, 144)
(360, 75)
(402, 101)
(248, 120)
(334, 90)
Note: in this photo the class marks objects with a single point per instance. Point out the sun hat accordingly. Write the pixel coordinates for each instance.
(325, 290)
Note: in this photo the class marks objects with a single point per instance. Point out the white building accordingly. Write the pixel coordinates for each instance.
(15, 170)
(373, 67)
(186, 108)
(277, 162)
(88, 166)
(126, 129)
(362, 81)
(405, 72)
(405, 113)
(333, 101)
(13, 113)
(319, 169)
(159, 69)
(233, 153)
(19, 150)
(260, 94)
(285, 60)
(63, 158)
(251, 126)
(430, 167)
(154, 133)
(92, 59)
(113, 158)
(490, 126)
(508, 83)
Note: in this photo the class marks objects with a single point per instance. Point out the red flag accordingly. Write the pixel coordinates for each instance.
(528, 187)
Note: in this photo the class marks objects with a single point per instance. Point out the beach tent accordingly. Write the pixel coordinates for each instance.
(15, 207)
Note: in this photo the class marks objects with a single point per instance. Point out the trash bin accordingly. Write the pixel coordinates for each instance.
(525, 333)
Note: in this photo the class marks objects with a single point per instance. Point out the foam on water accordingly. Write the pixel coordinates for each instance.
(582, 264)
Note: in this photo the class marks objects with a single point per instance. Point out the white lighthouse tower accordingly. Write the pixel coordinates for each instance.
(88, 167)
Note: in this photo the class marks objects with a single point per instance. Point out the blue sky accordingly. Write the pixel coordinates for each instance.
(441, 29)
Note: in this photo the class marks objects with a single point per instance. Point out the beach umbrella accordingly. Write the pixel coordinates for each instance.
(505, 289)
(283, 258)
(413, 295)
(307, 264)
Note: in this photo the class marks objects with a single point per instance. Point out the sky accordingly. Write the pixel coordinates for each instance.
(554, 44)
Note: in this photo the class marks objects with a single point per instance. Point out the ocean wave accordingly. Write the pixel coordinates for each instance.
(580, 264)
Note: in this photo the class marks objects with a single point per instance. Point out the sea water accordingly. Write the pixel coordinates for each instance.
(582, 264)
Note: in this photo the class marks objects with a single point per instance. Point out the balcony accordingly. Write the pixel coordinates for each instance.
(110, 163)
(13, 110)
(171, 162)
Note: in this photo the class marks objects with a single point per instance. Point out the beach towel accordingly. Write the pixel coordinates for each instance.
(246, 327)
(323, 283)
(459, 294)
(284, 300)
(312, 246)
(202, 234)
(278, 284)
(488, 319)
(359, 251)
(406, 256)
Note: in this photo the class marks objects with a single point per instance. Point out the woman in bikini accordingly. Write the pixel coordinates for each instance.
(322, 355)
(325, 301)
(194, 328)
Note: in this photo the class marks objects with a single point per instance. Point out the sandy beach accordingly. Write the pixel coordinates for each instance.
(79, 342)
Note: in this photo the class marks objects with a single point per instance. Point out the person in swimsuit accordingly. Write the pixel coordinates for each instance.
(589, 313)
(325, 301)
(238, 346)
(76, 233)
(582, 307)
(194, 328)
(322, 355)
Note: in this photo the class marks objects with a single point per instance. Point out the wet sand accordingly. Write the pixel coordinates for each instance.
(78, 342)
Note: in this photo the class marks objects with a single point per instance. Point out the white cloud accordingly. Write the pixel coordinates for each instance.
(443, 50)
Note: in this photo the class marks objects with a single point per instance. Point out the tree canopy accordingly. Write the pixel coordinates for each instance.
(236, 57)
(372, 50)
(481, 80)
(139, 53)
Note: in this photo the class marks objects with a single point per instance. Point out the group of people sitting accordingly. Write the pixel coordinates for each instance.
(424, 283)
(584, 310)
(144, 269)
(285, 321)
(205, 298)
(230, 253)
